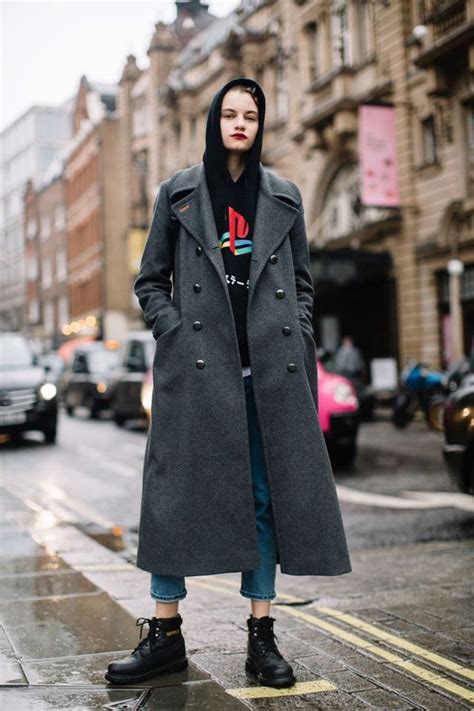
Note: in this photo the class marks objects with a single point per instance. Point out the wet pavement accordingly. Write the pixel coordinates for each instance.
(397, 633)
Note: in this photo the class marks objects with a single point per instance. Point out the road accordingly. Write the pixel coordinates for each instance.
(396, 633)
(398, 491)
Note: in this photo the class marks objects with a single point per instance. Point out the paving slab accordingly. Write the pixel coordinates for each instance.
(88, 670)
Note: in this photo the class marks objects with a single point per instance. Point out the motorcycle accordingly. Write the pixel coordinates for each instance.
(424, 388)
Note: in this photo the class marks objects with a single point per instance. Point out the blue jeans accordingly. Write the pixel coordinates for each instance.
(258, 584)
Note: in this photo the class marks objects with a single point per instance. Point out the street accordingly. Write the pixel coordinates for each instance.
(395, 633)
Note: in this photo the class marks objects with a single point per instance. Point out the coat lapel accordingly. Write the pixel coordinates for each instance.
(273, 220)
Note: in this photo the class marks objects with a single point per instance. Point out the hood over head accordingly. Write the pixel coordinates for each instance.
(214, 157)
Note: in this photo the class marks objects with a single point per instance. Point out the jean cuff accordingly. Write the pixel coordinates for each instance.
(172, 598)
(245, 593)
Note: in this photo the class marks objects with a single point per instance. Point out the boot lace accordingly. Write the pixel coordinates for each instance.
(141, 621)
(265, 634)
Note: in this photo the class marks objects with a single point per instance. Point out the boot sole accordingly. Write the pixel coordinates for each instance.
(276, 682)
(170, 667)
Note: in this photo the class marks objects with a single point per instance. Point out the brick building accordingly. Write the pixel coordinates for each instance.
(46, 297)
(99, 300)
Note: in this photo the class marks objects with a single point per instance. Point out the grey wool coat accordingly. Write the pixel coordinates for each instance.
(197, 513)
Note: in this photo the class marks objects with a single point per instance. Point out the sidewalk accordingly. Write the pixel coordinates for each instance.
(395, 634)
(58, 630)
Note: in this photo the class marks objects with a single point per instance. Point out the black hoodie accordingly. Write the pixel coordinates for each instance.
(234, 204)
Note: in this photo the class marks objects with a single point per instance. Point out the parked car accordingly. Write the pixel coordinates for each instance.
(88, 378)
(137, 355)
(28, 397)
(458, 447)
(338, 411)
(55, 366)
(339, 415)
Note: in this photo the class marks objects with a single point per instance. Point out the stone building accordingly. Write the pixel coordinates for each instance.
(379, 273)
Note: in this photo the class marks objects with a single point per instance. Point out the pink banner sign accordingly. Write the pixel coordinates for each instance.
(378, 157)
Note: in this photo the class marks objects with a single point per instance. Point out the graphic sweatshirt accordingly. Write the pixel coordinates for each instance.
(234, 204)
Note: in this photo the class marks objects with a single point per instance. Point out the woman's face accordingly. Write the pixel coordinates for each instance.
(239, 115)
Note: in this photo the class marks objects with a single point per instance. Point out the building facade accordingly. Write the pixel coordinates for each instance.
(98, 294)
(46, 275)
(379, 273)
(28, 146)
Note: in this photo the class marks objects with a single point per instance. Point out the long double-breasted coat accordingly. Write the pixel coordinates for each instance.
(197, 514)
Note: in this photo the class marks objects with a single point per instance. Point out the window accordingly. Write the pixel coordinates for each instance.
(61, 269)
(363, 29)
(31, 228)
(45, 227)
(59, 217)
(192, 135)
(340, 36)
(48, 317)
(31, 267)
(311, 36)
(33, 311)
(429, 140)
(46, 272)
(470, 129)
(63, 315)
(281, 92)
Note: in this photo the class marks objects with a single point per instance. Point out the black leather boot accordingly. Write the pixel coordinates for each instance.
(163, 650)
(263, 657)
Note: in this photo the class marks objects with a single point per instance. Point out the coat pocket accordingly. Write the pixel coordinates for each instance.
(163, 335)
(166, 322)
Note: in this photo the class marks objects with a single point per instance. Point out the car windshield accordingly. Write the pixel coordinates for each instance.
(15, 352)
(103, 361)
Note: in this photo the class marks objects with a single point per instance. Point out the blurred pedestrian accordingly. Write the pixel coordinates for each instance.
(237, 477)
(349, 363)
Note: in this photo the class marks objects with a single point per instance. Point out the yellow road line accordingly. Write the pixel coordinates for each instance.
(399, 642)
(262, 692)
(375, 649)
(369, 646)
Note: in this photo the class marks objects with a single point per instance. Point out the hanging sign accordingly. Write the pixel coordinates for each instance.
(379, 185)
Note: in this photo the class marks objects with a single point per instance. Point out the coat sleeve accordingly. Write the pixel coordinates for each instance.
(301, 263)
(153, 284)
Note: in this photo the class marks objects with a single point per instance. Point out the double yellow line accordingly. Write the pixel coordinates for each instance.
(433, 677)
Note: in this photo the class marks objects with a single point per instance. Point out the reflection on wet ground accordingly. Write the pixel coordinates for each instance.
(59, 631)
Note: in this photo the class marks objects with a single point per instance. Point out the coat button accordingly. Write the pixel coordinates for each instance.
(200, 364)
(197, 288)
(198, 250)
(197, 325)
(286, 330)
(279, 293)
(273, 259)
(291, 367)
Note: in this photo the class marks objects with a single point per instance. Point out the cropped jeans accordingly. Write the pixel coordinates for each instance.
(258, 584)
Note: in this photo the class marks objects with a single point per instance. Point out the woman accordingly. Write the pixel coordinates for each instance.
(236, 475)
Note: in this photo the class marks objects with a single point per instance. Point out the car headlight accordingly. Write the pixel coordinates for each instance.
(146, 395)
(343, 393)
(48, 391)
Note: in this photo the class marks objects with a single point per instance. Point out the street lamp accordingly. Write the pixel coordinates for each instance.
(455, 271)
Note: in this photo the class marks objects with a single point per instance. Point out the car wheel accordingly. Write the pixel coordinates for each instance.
(345, 455)
(50, 434)
(119, 419)
(434, 415)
